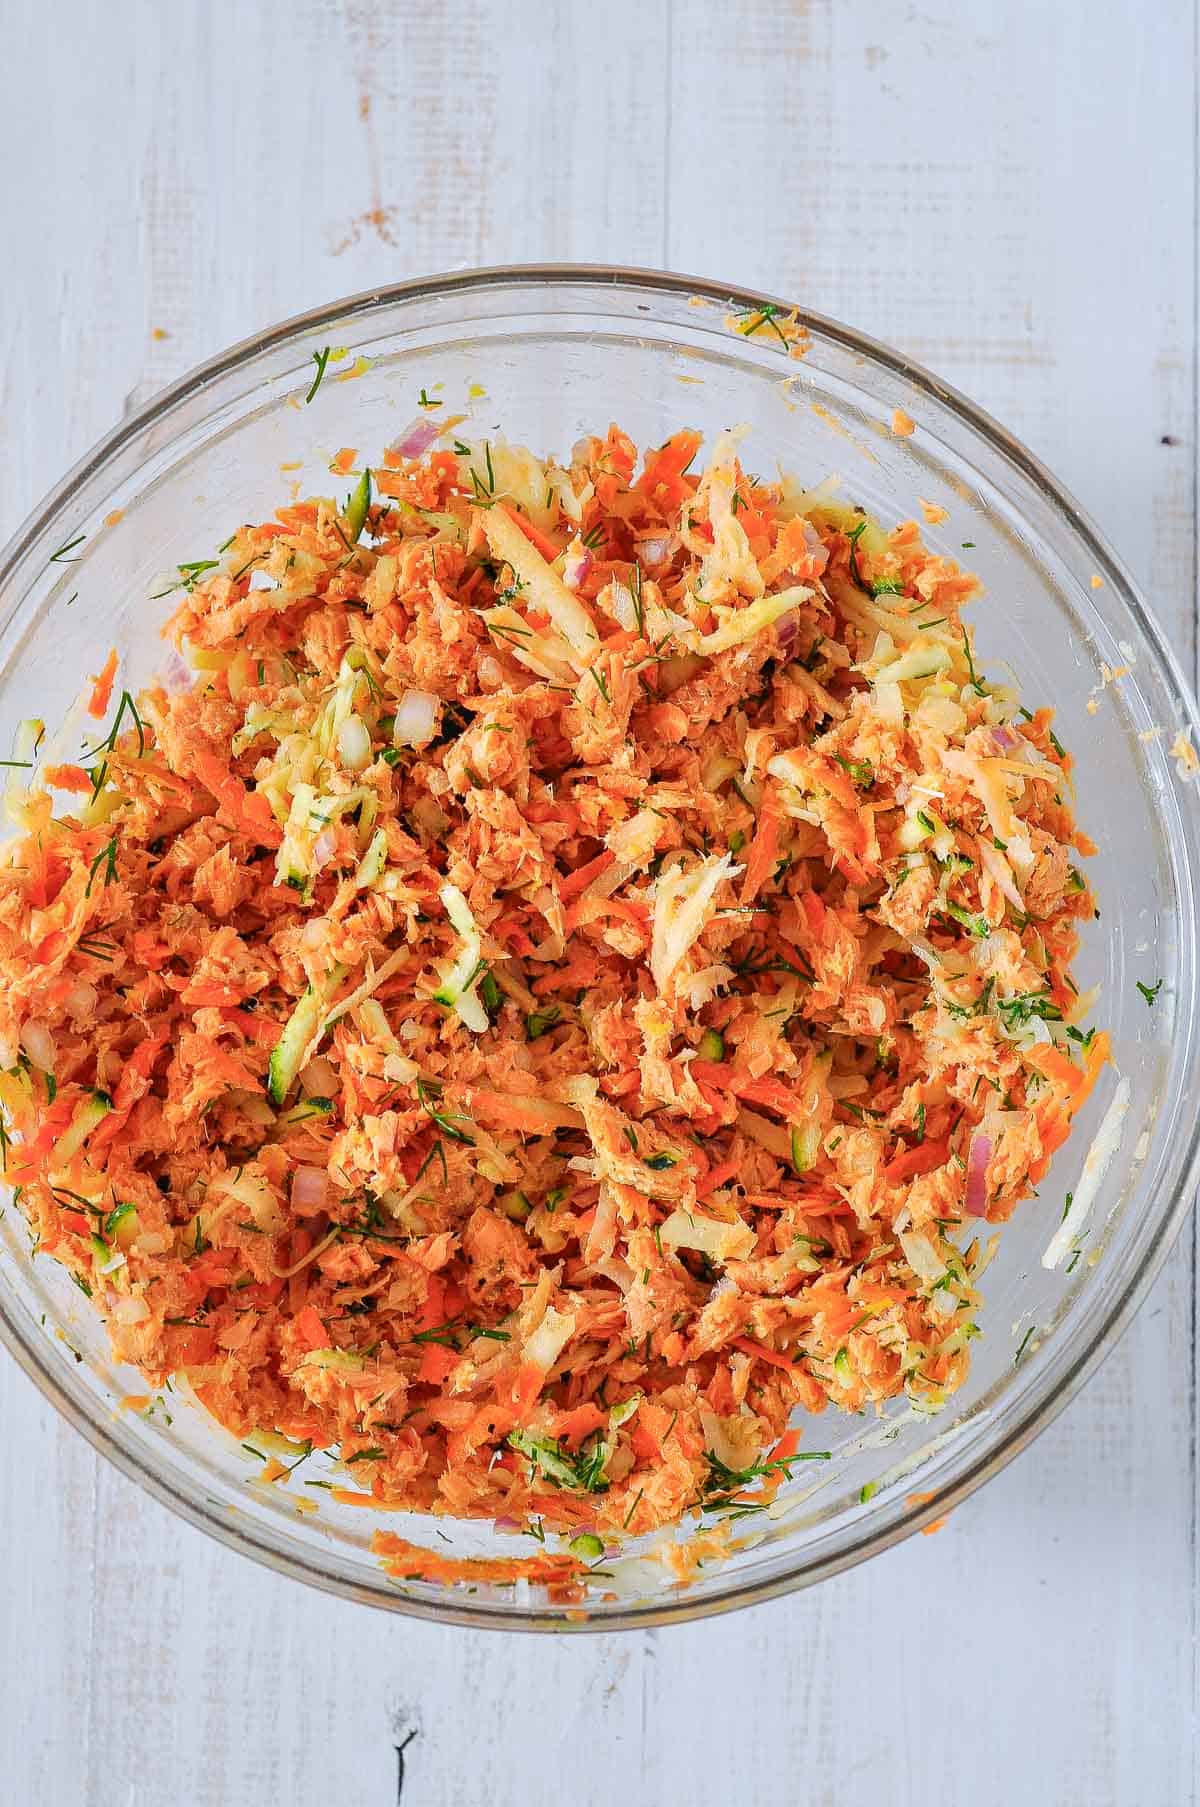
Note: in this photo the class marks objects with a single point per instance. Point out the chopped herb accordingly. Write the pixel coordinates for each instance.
(578, 1471)
(639, 604)
(856, 575)
(1150, 992)
(427, 401)
(1024, 1342)
(440, 1333)
(426, 1089)
(754, 318)
(724, 1480)
(975, 683)
(437, 1152)
(490, 993)
(320, 359)
(374, 1454)
(860, 770)
(60, 558)
(107, 857)
(191, 572)
(540, 1022)
(1016, 1012)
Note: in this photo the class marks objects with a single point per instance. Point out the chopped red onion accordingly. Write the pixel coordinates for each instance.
(977, 1166)
(654, 552)
(323, 848)
(416, 438)
(82, 999)
(38, 1043)
(786, 629)
(578, 564)
(1005, 737)
(310, 1188)
(818, 551)
(175, 674)
(416, 719)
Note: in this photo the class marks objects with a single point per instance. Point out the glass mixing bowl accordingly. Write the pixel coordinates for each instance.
(543, 355)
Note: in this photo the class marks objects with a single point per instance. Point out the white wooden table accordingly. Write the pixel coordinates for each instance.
(1006, 189)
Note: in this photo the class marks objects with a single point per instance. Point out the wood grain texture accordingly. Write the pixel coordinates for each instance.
(1006, 190)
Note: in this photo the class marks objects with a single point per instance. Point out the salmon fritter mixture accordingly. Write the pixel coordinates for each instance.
(552, 986)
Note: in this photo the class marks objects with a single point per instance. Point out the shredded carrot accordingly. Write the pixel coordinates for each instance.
(925, 1157)
(548, 548)
(68, 778)
(775, 1357)
(102, 687)
(764, 849)
(412, 1562)
(310, 1329)
(584, 876)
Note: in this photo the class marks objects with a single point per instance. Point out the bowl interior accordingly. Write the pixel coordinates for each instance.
(543, 359)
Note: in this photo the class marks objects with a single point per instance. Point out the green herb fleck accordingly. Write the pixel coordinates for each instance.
(540, 1022)
(320, 359)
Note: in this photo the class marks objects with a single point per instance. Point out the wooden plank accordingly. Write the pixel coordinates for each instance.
(1022, 220)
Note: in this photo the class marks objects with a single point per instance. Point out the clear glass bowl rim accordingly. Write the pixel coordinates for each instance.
(1057, 1383)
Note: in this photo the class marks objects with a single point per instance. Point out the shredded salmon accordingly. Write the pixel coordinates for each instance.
(553, 995)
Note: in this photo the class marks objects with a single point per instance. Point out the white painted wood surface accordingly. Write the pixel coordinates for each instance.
(1006, 189)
